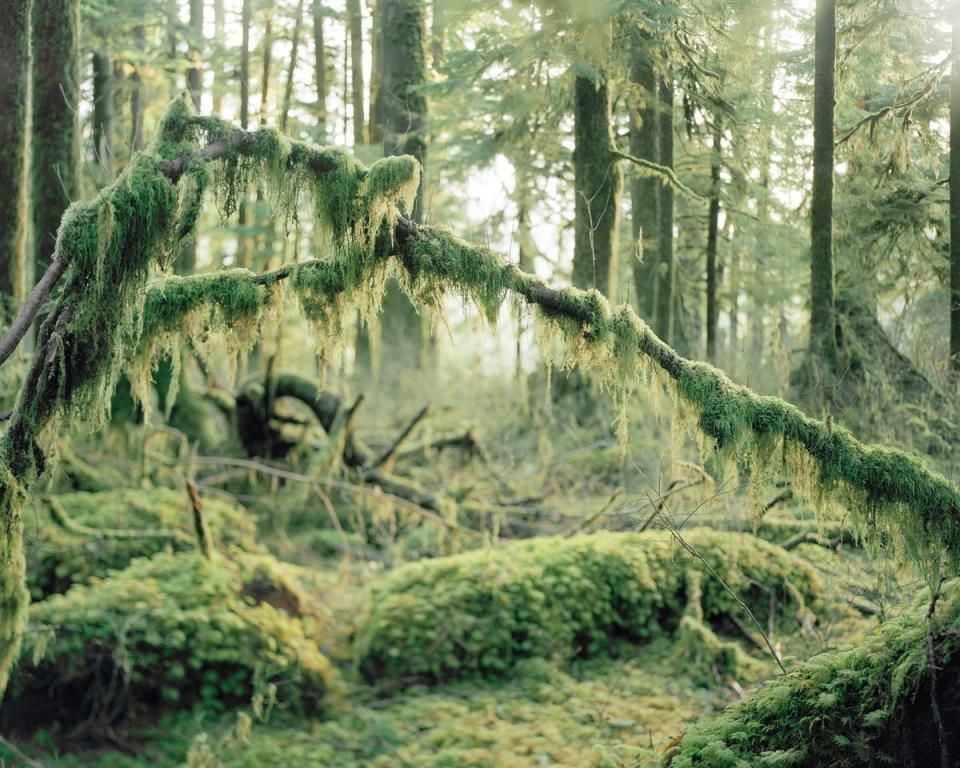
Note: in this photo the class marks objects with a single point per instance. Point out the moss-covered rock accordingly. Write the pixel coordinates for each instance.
(76, 536)
(481, 612)
(171, 630)
(864, 707)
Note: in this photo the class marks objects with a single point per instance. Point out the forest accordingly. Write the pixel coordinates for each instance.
(491, 383)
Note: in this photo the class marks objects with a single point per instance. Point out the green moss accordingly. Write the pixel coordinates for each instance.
(481, 612)
(175, 628)
(841, 709)
(105, 531)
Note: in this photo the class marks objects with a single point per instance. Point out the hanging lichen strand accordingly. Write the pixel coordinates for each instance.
(886, 490)
(104, 318)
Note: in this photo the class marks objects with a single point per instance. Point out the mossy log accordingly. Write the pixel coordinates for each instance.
(479, 613)
(168, 631)
(872, 705)
(75, 537)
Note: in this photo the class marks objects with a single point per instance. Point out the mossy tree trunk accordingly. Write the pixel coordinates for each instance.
(55, 146)
(14, 144)
(597, 185)
(955, 196)
(644, 194)
(243, 211)
(357, 92)
(823, 343)
(666, 268)
(404, 112)
(320, 69)
(713, 222)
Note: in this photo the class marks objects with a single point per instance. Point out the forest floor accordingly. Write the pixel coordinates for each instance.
(619, 710)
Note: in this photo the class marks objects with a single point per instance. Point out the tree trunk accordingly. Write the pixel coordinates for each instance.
(14, 144)
(55, 146)
(357, 92)
(955, 199)
(713, 222)
(291, 70)
(195, 73)
(644, 189)
(219, 41)
(376, 75)
(666, 277)
(320, 69)
(244, 257)
(267, 66)
(597, 188)
(404, 113)
(823, 342)
(136, 95)
(102, 108)
(438, 34)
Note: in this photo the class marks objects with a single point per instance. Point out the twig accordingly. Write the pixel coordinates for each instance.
(664, 171)
(596, 515)
(21, 324)
(20, 755)
(200, 521)
(746, 609)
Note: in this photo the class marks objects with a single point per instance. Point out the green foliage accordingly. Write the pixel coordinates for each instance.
(481, 612)
(175, 628)
(91, 534)
(840, 709)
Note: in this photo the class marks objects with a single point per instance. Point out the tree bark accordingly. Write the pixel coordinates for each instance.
(267, 66)
(823, 342)
(243, 212)
(644, 194)
(713, 222)
(666, 277)
(14, 154)
(55, 161)
(357, 92)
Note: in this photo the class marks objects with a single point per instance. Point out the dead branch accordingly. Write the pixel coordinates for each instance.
(389, 454)
(200, 521)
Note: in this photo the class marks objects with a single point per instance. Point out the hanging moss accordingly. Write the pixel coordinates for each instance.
(74, 537)
(481, 612)
(863, 707)
(174, 629)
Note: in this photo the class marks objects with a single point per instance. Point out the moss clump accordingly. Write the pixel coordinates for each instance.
(77, 536)
(229, 306)
(479, 613)
(867, 706)
(175, 629)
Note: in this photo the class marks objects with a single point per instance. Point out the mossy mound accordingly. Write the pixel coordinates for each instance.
(76, 536)
(479, 613)
(868, 706)
(169, 631)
